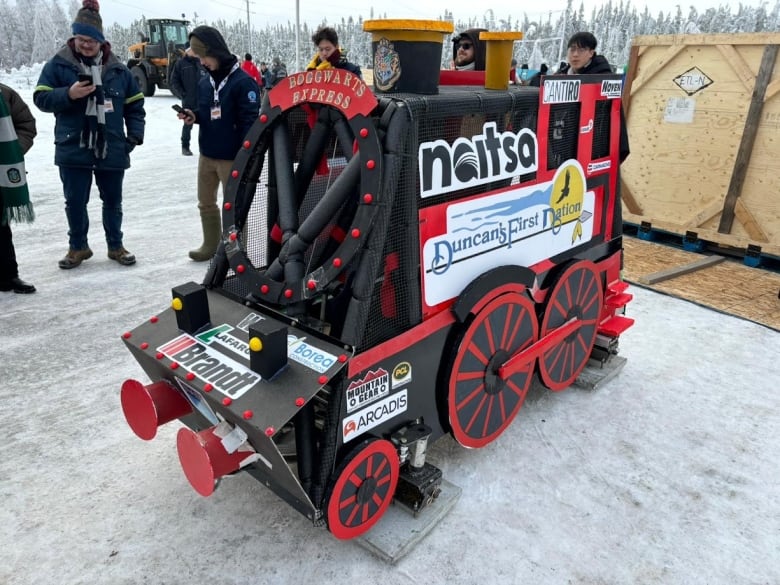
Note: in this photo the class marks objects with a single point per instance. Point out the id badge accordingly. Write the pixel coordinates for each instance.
(216, 112)
(108, 106)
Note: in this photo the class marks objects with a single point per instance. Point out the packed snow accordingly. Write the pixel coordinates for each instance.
(668, 474)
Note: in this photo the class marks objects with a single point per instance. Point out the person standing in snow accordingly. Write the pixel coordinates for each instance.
(186, 74)
(228, 105)
(93, 96)
(329, 54)
(17, 131)
(468, 52)
(249, 68)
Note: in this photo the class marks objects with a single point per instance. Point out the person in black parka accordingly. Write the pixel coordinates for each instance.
(187, 73)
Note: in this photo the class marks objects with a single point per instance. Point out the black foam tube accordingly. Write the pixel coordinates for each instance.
(345, 136)
(312, 153)
(285, 182)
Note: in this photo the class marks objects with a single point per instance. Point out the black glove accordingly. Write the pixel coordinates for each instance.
(135, 140)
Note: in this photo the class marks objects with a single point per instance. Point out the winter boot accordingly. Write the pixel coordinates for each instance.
(212, 232)
(185, 150)
(74, 258)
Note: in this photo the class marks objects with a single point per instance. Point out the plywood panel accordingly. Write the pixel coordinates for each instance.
(684, 148)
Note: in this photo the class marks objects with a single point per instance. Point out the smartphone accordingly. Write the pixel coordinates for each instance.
(85, 77)
(179, 109)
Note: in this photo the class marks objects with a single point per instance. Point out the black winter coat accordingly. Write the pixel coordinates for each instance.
(187, 73)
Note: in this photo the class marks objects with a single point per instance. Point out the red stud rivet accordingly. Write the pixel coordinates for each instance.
(234, 174)
(240, 268)
(263, 118)
(363, 132)
(368, 198)
(299, 401)
(337, 262)
(174, 365)
(370, 164)
(269, 431)
(190, 376)
(355, 233)
(342, 358)
(227, 400)
(159, 355)
(144, 345)
(127, 335)
(288, 293)
(233, 237)
(154, 319)
(322, 379)
(228, 206)
(264, 289)
(208, 387)
(311, 285)
(247, 144)
(248, 414)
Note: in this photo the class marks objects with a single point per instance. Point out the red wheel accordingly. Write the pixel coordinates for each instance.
(480, 403)
(577, 294)
(364, 487)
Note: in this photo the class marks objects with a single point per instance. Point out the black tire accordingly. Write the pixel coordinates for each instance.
(146, 87)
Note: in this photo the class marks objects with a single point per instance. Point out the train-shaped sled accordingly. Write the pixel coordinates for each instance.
(393, 268)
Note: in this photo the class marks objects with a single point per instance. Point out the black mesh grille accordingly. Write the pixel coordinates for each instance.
(562, 133)
(601, 130)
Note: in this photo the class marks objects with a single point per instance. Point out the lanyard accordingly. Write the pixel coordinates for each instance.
(221, 83)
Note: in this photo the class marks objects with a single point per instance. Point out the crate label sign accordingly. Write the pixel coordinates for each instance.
(680, 110)
(519, 226)
(693, 80)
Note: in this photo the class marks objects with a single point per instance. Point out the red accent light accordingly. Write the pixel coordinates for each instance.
(288, 293)
(322, 379)
(264, 289)
(233, 237)
(227, 401)
(342, 358)
(154, 319)
(159, 355)
(299, 401)
(208, 388)
(263, 118)
(363, 132)
(248, 414)
(355, 233)
(337, 262)
(247, 144)
(368, 198)
(144, 345)
(174, 365)
(370, 164)
(228, 206)
(190, 376)
(311, 285)
(127, 335)
(240, 268)
(269, 431)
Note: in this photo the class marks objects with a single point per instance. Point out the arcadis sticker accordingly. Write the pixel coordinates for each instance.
(373, 416)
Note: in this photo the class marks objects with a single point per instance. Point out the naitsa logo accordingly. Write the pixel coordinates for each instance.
(560, 91)
(612, 88)
(355, 425)
(297, 349)
(520, 226)
(375, 385)
(484, 158)
(226, 375)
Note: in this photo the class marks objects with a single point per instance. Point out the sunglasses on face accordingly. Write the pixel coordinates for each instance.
(465, 46)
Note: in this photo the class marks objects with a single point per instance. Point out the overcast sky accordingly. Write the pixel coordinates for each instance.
(125, 11)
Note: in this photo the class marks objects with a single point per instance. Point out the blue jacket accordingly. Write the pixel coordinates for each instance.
(119, 86)
(239, 102)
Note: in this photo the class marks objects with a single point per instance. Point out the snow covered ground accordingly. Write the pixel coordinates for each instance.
(669, 474)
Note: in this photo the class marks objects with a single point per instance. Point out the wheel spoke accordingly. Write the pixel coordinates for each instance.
(476, 412)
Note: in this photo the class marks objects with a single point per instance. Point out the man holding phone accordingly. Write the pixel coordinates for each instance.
(93, 97)
(186, 74)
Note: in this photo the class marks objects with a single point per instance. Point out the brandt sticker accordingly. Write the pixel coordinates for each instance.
(693, 80)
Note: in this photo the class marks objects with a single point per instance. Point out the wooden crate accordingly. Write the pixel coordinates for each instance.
(703, 115)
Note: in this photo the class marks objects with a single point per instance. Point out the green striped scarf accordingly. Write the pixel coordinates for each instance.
(13, 180)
